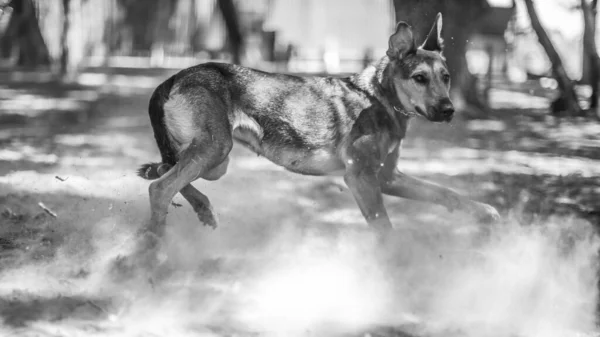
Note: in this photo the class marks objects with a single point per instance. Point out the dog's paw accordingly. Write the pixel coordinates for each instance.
(127, 268)
(145, 257)
(485, 213)
(208, 218)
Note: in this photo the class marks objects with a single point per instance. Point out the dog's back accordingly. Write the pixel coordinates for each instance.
(291, 120)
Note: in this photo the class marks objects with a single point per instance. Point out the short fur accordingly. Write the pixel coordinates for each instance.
(310, 125)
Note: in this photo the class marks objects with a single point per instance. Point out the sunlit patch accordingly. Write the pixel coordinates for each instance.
(28, 153)
(120, 81)
(306, 294)
(33, 105)
(116, 184)
(486, 125)
(505, 99)
(316, 292)
(457, 161)
(104, 147)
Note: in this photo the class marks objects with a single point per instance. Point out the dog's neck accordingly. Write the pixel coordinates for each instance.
(376, 81)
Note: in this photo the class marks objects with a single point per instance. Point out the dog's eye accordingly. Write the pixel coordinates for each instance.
(446, 78)
(420, 79)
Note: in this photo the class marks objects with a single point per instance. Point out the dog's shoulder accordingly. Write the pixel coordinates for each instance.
(374, 135)
(375, 119)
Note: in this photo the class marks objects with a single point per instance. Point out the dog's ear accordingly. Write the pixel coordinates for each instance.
(402, 42)
(434, 40)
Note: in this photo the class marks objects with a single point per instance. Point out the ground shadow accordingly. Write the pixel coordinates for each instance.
(19, 312)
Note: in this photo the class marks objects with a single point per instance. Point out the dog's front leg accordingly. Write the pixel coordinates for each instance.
(365, 188)
(402, 185)
(363, 161)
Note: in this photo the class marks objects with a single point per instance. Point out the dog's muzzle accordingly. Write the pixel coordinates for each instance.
(444, 111)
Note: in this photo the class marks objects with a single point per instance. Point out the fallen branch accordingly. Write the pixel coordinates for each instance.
(93, 304)
(46, 209)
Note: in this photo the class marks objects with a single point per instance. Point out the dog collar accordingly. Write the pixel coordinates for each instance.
(405, 113)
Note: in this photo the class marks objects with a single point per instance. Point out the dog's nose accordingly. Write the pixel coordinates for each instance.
(446, 109)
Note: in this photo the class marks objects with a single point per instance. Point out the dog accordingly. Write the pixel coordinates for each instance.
(349, 126)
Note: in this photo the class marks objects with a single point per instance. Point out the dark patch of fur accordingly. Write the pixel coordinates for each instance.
(369, 122)
(410, 62)
(351, 86)
(280, 132)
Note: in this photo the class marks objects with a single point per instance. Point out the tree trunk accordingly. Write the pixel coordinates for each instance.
(23, 37)
(232, 24)
(591, 75)
(564, 82)
(144, 25)
(64, 38)
(459, 22)
(195, 29)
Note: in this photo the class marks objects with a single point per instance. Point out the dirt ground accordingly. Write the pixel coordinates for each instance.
(292, 254)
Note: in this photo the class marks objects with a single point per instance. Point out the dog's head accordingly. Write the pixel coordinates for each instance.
(419, 74)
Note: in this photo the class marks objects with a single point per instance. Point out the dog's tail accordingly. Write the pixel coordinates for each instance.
(161, 134)
(149, 171)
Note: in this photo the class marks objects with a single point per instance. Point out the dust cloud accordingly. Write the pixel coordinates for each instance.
(275, 279)
(514, 280)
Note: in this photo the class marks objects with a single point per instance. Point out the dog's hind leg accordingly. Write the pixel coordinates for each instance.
(200, 202)
(201, 205)
(198, 159)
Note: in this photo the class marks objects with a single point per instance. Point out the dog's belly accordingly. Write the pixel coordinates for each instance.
(322, 160)
(316, 162)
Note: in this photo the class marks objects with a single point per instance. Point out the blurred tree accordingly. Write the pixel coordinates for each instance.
(142, 25)
(232, 24)
(64, 41)
(194, 36)
(162, 33)
(568, 97)
(22, 38)
(460, 18)
(591, 71)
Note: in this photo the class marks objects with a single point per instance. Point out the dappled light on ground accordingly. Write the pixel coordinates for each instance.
(32, 105)
(430, 278)
(455, 161)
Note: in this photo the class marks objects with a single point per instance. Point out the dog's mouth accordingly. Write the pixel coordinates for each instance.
(422, 113)
(437, 117)
(433, 115)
